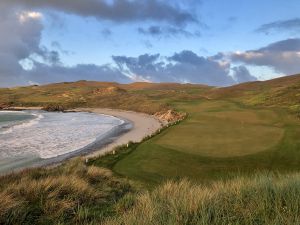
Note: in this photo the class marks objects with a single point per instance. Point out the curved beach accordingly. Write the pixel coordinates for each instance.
(136, 127)
(143, 125)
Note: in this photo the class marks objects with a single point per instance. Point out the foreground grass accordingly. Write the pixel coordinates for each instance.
(78, 194)
(264, 199)
(69, 194)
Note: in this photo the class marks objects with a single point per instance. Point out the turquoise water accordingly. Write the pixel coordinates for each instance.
(49, 134)
(8, 118)
(34, 138)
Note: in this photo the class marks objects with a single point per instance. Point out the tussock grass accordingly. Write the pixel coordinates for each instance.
(69, 194)
(75, 193)
(259, 200)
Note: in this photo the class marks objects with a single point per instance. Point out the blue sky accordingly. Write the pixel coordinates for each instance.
(214, 42)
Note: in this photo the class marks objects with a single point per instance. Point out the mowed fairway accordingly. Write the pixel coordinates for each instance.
(220, 139)
(218, 130)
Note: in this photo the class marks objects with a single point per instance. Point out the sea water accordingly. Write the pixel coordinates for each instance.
(50, 134)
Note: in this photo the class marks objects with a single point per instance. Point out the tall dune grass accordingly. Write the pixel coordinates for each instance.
(75, 193)
(69, 194)
(259, 200)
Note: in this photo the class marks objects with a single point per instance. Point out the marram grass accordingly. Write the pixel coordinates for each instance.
(264, 199)
(69, 194)
(75, 193)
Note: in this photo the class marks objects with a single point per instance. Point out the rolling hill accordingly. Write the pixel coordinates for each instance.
(235, 158)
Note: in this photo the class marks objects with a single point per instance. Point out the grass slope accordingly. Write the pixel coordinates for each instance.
(141, 97)
(218, 140)
(282, 92)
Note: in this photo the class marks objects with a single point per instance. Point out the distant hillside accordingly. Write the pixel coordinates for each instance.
(284, 91)
(161, 86)
(280, 90)
(142, 97)
(153, 97)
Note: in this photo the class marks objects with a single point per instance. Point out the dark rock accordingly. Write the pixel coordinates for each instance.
(54, 108)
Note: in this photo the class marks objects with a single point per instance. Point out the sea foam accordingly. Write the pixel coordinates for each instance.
(52, 134)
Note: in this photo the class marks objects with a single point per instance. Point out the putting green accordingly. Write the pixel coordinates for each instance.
(218, 140)
(219, 132)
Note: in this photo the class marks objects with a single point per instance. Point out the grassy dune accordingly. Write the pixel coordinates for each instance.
(78, 194)
(264, 199)
(69, 194)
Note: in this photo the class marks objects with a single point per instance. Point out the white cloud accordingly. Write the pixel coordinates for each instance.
(24, 16)
(282, 56)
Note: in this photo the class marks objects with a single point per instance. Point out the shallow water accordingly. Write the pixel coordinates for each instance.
(39, 134)
(10, 118)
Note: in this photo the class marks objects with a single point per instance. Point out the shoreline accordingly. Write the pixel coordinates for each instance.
(136, 126)
(143, 125)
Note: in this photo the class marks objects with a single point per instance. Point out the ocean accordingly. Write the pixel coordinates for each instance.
(32, 135)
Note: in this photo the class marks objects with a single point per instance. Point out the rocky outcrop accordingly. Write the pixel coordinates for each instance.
(170, 116)
(54, 108)
(3, 106)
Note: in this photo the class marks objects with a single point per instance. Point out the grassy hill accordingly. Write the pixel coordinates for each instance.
(231, 136)
(153, 96)
(218, 140)
(224, 135)
(141, 97)
(284, 92)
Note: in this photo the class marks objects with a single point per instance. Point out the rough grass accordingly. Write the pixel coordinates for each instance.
(282, 92)
(264, 199)
(140, 97)
(70, 194)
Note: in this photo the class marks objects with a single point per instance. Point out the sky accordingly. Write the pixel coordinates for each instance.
(213, 42)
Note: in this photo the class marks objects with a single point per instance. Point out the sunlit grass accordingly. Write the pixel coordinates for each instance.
(264, 199)
(69, 194)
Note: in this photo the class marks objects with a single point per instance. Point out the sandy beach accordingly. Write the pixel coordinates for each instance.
(140, 125)
(143, 125)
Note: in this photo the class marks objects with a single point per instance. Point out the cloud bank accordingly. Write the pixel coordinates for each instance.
(282, 56)
(183, 67)
(23, 60)
(20, 42)
(20, 37)
(115, 10)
